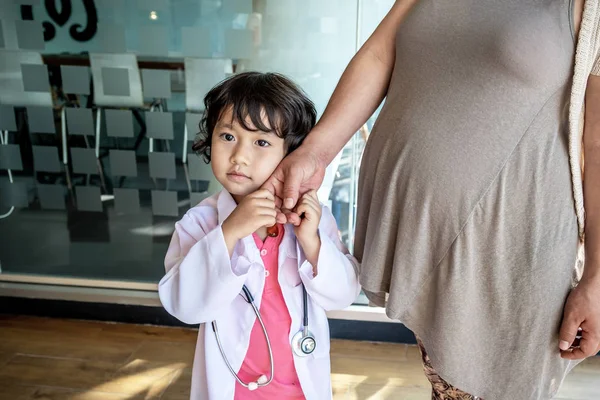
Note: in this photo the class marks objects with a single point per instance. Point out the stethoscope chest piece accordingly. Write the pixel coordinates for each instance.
(303, 343)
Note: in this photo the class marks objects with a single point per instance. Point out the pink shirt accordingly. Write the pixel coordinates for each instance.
(276, 317)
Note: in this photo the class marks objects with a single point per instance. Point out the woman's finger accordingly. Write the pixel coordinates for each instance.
(275, 183)
(291, 185)
(569, 329)
(587, 348)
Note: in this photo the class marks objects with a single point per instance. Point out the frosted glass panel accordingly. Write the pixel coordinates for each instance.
(237, 6)
(84, 161)
(75, 79)
(80, 121)
(156, 83)
(10, 157)
(119, 123)
(178, 49)
(196, 42)
(238, 43)
(312, 42)
(159, 125)
(112, 38)
(51, 197)
(88, 198)
(2, 45)
(153, 41)
(164, 203)
(200, 76)
(30, 35)
(35, 78)
(127, 201)
(7, 118)
(115, 81)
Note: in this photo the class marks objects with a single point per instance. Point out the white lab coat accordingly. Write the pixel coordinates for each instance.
(203, 284)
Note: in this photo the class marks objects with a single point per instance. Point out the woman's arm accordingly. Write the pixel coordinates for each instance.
(582, 309)
(361, 89)
(591, 182)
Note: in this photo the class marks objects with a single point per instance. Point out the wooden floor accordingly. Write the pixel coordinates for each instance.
(48, 359)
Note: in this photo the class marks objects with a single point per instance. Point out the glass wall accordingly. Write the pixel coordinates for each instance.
(100, 99)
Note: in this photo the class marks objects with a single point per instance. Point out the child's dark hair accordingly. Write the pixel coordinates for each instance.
(289, 112)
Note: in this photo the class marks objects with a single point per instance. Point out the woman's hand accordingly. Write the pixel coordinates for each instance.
(583, 304)
(297, 174)
(582, 310)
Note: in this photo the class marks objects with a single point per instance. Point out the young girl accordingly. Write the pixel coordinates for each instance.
(258, 290)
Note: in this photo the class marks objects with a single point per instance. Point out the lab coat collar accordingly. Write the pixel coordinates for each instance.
(225, 205)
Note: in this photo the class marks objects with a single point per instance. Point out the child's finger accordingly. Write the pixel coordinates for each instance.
(301, 208)
(313, 195)
(312, 201)
(267, 211)
(266, 203)
(263, 194)
(267, 220)
(307, 209)
(292, 217)
(281, 217)
(308, 195)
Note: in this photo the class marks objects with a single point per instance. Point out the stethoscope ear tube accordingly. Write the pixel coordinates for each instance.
(303, 342)
(263, 380)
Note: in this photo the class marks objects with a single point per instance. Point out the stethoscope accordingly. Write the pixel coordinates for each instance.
(303, 342)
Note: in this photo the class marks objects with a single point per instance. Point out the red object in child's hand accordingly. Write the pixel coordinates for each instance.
(272, 231)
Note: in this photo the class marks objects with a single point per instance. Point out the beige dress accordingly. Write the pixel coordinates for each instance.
(466, 220)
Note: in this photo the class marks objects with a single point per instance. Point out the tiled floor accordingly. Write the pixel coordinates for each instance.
(49, 359)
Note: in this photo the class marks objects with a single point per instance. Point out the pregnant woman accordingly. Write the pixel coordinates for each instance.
(470, 208)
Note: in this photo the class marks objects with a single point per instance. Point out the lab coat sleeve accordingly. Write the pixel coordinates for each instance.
(201, 280)
(336, 284)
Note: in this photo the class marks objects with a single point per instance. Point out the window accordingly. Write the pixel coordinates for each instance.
(85, 192)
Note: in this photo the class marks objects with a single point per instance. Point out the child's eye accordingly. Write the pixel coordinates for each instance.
(263, 143)
(228, 137)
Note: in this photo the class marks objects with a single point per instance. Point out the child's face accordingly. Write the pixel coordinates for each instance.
(243, 160)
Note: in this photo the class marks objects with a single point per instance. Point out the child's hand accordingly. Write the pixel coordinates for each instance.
(307, 234)
(256, 211)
